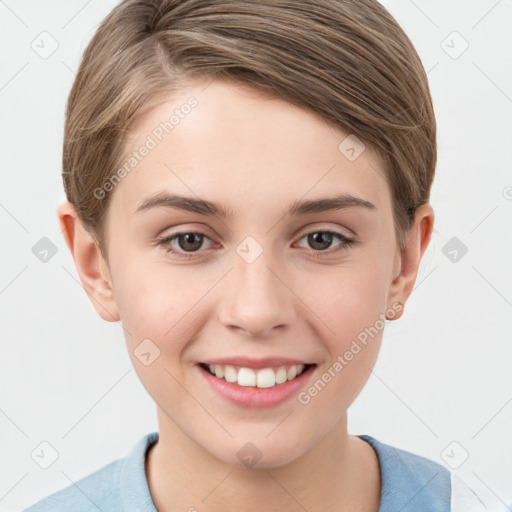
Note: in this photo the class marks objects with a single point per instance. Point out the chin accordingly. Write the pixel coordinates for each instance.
(260, 453)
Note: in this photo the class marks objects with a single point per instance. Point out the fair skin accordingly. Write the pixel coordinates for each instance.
(256, 156)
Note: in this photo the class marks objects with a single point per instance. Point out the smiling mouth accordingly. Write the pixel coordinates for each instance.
(257, 378)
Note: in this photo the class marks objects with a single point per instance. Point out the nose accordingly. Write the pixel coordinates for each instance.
(256, 298)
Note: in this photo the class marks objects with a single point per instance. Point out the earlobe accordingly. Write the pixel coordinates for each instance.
(417, 240)
(89, 262)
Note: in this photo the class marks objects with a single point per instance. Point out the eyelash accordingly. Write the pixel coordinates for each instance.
(346, 243)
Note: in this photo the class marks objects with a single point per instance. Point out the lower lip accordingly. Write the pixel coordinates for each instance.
(252, 397)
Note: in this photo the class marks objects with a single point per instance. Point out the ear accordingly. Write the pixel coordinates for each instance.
(417, 240)
(89, 262)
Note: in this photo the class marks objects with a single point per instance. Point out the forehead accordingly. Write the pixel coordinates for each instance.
(241, 147)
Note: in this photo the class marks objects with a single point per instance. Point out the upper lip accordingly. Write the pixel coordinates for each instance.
(249, 362)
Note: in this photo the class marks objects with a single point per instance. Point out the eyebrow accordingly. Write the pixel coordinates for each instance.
(204, 207)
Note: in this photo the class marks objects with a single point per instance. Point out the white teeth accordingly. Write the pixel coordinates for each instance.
(219, 371)
(291, 373)
(230, 374)
(246, 377)
(281, 375)
(263, 378)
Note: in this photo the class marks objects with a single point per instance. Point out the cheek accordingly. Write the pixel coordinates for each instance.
(347, 300)
(351, 310)
(158, 302)
(351, 306)
(160, 310)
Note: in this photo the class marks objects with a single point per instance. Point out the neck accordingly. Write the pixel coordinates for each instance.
(340, 473)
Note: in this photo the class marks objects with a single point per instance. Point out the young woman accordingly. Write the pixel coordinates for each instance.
(248, 193)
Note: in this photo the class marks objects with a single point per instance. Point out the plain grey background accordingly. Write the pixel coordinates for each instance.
(442, 384)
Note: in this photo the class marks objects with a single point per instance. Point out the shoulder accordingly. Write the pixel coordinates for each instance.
(410, 482)
(397, 463)
(119, 486)
(97, 491)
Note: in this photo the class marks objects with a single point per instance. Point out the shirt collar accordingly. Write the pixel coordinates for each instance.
(133, 485)
(409, 482)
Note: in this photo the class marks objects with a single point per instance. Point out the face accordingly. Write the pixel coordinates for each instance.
(221, 252)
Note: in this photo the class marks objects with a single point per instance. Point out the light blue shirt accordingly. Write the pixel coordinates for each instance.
(410, 483)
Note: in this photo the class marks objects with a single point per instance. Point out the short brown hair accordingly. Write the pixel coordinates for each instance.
(347, 60)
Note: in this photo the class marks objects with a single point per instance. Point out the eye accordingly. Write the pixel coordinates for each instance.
(185, 243)
(188, 243)
(321, 240)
